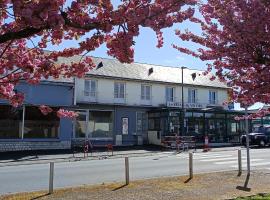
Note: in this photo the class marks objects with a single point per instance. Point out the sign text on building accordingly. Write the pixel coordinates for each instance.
(186, 105)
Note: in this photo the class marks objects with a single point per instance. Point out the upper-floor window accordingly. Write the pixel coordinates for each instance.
(90, 88)
(192, 95)
(119, 90)
(170, 94)
(146, 92)
(212, 97)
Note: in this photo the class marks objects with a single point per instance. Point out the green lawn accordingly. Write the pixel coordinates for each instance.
(257, 197)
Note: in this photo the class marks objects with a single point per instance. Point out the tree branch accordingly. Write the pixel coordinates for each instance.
(24, 33)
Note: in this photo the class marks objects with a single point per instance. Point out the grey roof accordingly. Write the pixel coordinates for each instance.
(139, 71)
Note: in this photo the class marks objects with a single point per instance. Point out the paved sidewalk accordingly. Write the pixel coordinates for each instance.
(32, 158)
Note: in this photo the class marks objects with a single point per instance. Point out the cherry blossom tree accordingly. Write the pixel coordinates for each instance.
(235, 41)
(56, 21)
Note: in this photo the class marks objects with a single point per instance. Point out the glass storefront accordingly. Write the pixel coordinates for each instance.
(219, 126)
(80, 125)
(10, 122)
(37, 125)
(94, 124)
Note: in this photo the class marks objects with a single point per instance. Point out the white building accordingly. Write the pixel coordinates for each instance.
(117, 103)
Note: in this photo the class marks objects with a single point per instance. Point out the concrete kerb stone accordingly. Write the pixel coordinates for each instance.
(103, 155)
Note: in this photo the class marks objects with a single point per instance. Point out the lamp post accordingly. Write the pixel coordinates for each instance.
(183, 108)
(247, 140)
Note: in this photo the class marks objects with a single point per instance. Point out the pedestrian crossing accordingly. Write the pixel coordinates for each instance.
(230, 160)
(225, 159)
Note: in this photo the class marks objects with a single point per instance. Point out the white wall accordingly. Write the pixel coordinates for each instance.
(105, 92)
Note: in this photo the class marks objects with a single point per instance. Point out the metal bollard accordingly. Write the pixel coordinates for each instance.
(190, 165)
(51, 177)
(127, 170)
(239, 162)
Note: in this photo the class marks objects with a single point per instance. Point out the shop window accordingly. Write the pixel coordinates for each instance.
(101, 124)
(80, 125)
(10, 122)
(209, 115)
(188, 114)
(154, 124)
(141, 122)
(37, 125)
(195, 114)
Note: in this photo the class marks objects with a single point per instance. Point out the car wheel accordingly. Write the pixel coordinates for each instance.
(262, 143)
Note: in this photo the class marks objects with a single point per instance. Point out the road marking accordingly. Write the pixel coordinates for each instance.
(210, 157)
(255, 164)
(218, 159)
(236, 161)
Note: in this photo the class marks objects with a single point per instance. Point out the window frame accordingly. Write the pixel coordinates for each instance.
(192, 95)
(210, 95)
(171, 98)
(90, 92)
(117, 95)
(144, 94)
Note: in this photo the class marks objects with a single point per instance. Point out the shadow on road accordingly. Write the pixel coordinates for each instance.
(245, 187)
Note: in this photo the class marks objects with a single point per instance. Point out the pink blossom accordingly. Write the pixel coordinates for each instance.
(61, 113)
(45, 110)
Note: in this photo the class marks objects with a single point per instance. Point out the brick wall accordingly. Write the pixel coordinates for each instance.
(33, 145)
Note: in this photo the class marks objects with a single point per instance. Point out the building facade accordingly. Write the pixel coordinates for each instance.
(120, 104)
(25, 128)
(135, 104)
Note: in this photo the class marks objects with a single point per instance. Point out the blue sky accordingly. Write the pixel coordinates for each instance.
(145, 48)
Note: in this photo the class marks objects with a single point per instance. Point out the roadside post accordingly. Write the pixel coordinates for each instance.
(247, 141)
(51, 177)
(190, 165)
(239, 162)
(127, 170)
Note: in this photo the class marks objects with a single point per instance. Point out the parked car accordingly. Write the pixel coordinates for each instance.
(259, 136)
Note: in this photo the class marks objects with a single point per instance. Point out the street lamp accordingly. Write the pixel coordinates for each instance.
(183, 108)
(247, 140)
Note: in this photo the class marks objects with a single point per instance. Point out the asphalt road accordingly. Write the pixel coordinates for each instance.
(33, 177)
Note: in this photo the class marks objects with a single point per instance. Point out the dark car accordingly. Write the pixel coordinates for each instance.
(259, 136)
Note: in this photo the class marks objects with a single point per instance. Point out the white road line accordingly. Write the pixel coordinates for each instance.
(236, 161)
(218, 159)
(210, 157)
(255, 164)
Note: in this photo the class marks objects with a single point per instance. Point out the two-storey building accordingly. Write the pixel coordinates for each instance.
(129, 104)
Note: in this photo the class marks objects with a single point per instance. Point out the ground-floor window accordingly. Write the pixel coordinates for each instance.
(10, 122)
(37, 125)
(80, 125)
(94, 124)
(13, 125)
(100, 124)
